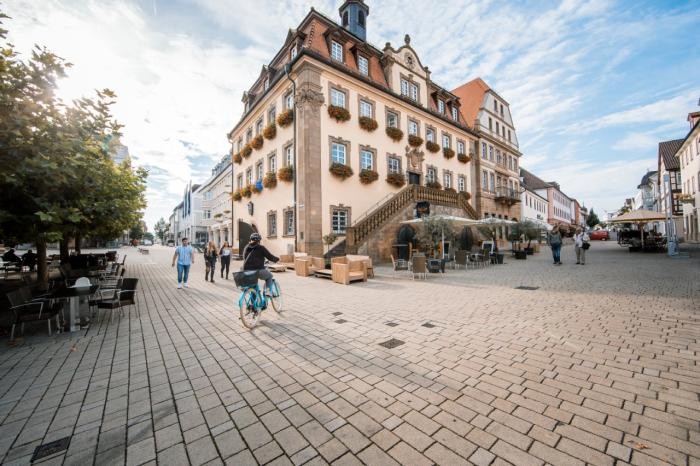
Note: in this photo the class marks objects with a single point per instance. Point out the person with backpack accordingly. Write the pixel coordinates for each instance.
(254, 256)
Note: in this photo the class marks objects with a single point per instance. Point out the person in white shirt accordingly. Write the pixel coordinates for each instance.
(225, 255)
(581, 240)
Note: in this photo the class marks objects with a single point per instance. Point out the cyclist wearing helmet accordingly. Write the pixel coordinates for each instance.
(254, 256)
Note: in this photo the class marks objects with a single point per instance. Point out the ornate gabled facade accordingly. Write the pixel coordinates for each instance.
(334, 127)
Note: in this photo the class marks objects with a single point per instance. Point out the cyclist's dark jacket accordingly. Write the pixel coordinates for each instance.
(258, 253)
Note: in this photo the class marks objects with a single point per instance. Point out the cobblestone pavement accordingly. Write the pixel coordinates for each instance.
(598, 365)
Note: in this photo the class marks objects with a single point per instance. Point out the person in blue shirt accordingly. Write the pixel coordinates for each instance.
(185, 258)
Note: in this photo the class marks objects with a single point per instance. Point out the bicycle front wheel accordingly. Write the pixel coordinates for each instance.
(246, 304)
(276, 296)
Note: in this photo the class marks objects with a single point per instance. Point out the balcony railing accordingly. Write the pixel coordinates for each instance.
(507, 195)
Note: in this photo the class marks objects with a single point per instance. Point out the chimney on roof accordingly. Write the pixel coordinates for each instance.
(353, 15)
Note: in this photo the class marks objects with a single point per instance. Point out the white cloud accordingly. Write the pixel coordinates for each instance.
(637, 142)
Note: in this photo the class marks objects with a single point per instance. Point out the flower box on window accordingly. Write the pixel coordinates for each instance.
(257, 142)
(414, 141)
(448, 153)
(396, 179)
(394, 133)
(433, 184)
(368, 176)
(246, 151)
(237, 157)
(218, 215)
(339, 114)
(246, 191)
(464, 158)
(270, 180)
(686, 198)
(285, 118)
(270, 131)
(237, 196)
(340, 170)
(368, 124)
(286, 173)
(257, 187)
(432, 147)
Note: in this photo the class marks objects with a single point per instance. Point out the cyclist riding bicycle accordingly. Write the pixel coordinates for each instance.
(254, 256)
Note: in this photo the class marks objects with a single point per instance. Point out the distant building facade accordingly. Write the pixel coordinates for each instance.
(669, 190)
(217, 202)
(688, 155)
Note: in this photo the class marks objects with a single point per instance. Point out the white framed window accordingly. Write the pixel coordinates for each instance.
(366, 160)
(430, 175)
(441, 106)
(455, 114)
(259, 126)
(259, 171)
(363, 65)
(461, 184)
(338, 153)
(491, 153)
(271, 114)
(272, 163)
(336, 51)
(337, 98)
(272, 224)
(239, 181)
(445, 141)
(365, 109)
(414, 92)
(404, 87)
(289, 101)
(394, 165)
(339, 221)
(249, 176)
(447, 180)
(460, 147)
(485, 180)
(293, 53)
(492, 182)
(289, 156)
(392, 120)
(483, 150)
(430, 134)
(289, 223)
(412, 128)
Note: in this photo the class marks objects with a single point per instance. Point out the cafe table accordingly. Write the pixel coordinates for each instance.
(72, 296)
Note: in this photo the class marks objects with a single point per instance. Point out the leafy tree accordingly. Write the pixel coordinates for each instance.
(136, 232)
(160, 229)
(148, 236)
(433, 229)
(592, 219)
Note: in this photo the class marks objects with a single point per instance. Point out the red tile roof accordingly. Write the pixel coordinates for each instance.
(471, 96)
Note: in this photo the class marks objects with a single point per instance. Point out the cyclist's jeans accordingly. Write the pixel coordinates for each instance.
(264, 274)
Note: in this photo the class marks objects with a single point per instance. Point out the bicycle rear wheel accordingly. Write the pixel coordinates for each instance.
(275, 296)
(246, 304)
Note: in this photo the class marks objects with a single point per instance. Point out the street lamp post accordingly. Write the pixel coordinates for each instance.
(671, 240)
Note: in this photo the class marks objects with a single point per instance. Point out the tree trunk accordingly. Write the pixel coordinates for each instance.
(42, 269)
(78, 239)
(63, 248)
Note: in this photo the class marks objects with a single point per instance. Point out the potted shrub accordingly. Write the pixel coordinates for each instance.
(433, 184)
(246, 151)
(414, 141)
(246, 191)
(340, 170)
(237, 196)
(396, 179)
(257, 142)
(270, 131)
(448, 153)
(237, 157)
(286, 173)
(270, 180)
(339, 114)
(368, 124)
(285, 118)
(432, 147)
(394, 133)
(368, 176)
(464, 158)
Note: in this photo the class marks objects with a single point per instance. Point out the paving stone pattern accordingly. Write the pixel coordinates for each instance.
(599, 365)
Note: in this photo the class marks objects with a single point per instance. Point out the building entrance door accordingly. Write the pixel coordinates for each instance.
(413, 178)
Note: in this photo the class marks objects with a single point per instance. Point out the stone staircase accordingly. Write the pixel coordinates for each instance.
(378, 217)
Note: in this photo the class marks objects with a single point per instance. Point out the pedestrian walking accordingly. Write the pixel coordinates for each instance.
(581, 242)
(184, 254)
(554, 240)
(210, 255)
(225, 255)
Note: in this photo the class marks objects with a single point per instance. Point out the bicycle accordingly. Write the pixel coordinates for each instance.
(253, 300)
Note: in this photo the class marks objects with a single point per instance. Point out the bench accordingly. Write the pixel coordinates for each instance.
(143, 251)
(344, 270)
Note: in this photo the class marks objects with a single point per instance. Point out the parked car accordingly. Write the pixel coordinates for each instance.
(601, 235)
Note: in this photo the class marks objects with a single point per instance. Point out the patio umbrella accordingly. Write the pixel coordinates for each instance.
(541, 224)
(640, 217)
(493, 223)
(457, 221)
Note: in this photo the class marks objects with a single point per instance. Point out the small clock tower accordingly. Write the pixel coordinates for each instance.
(353, 16)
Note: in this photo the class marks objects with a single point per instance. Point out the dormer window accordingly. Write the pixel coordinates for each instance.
(293, 52)
(455, 115)
(441, 107)
(345, 19)
(363, 65)
(336, 51)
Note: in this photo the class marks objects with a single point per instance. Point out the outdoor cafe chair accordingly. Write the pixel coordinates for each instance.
(460, 259)
(120, 298)
(33, 311)
(418, 266)
(399, 265)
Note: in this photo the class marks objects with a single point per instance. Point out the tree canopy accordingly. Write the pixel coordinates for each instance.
(592, 219)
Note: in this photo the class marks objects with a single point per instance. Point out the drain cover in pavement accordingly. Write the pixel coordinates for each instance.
(529, 288)
(391, 324)
(337, 313)
(428, 325)
(393, 343)
(48, 449)
(340, 321)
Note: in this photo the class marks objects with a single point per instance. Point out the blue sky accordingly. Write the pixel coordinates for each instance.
(593, 85)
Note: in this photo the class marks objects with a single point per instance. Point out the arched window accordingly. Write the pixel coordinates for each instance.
(361, 18)
(345, 18)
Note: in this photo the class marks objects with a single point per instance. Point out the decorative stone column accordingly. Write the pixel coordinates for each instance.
(308, 100)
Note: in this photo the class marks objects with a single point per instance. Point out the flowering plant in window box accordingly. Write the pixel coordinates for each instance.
(257, 187)
(432, 147)
(433, 184)
(340, 170)
(448, 153)
(396, 179)
(367, 176)
(339, 114)
(285, 118)
(246, 191)
(237, 157)
(414, 141)
(686, 198)
(394, 133)
(464, 158)
(368, 124)
(257, 142)
(218, 215)
(237, 196)
(246, 151)
(270, 180)
(465, 194)
(286, 173)
(270, 131)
